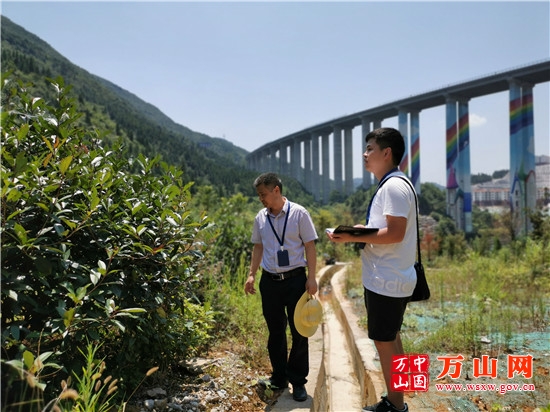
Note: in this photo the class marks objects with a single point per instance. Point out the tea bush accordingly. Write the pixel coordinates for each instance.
(95, 246)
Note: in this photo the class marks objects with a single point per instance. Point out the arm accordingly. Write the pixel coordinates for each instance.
(393, 233)
(311, 257)
(257, 254)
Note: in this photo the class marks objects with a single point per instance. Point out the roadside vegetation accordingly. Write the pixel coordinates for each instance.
(116, 269)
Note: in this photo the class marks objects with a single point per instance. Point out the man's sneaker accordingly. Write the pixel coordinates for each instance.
(299, 393)
(384, 406)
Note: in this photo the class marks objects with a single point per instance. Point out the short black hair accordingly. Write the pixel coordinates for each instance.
(269, 180)
(389, 137)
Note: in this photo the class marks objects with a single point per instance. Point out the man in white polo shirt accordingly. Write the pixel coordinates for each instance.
(284, 245)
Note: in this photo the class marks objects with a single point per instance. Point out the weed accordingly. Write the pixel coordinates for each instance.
(93, 393)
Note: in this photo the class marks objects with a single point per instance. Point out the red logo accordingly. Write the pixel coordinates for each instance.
(410, 373)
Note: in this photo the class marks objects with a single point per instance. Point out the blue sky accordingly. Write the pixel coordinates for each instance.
(252, 72)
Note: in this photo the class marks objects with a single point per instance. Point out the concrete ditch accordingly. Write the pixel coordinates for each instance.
(344, 373)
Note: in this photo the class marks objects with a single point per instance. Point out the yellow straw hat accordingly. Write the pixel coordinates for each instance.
(307, 315)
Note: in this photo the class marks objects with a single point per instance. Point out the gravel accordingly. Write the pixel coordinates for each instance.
(219, 384)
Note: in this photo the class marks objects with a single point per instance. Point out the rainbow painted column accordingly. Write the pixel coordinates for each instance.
(415, 150)
(464, 168)
(528, 122)
(403, 129)
(522, 157)
(451, 158)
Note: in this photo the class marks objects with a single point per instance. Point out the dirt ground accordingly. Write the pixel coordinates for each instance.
(484, 386)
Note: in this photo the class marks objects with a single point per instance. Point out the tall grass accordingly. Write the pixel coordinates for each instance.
(91, 392)
(240, 320)
(479, 303)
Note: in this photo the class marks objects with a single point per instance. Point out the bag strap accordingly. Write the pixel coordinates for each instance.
(416, 209)
(417, 225)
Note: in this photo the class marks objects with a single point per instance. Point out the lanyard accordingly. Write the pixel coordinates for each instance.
(382, 181)
(281, 242)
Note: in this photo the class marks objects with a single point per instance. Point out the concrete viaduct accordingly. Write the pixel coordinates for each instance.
(285, 155)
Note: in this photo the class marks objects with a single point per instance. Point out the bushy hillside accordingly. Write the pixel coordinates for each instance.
(141, 126)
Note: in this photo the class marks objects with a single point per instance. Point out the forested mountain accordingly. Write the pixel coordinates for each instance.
(143, 127)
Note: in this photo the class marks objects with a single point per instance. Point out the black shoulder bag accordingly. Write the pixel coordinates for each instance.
(421, 290)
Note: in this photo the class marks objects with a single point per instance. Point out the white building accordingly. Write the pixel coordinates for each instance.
(497, 192)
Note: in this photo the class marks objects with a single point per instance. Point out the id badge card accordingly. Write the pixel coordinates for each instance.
(282, 258)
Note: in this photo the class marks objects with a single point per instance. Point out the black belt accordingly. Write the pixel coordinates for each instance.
(285, 275)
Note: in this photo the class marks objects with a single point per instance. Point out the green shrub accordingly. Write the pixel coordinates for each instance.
(95, 247)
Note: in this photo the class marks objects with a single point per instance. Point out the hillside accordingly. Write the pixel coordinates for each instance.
(143, 127)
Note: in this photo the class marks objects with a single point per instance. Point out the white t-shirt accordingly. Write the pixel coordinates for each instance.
(389, 269)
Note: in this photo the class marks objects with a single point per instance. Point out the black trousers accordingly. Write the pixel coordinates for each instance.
(279, 298)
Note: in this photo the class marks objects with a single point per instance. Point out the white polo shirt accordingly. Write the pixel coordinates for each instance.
(299, 230)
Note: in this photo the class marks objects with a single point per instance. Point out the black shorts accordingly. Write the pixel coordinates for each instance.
(384, 315)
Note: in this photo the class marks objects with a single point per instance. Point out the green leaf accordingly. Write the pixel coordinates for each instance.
(95, 276)
(71, 225)
(22, 132)
(136, 207)
(81, 293)
(97, 161)
(14, 330)
(20, 163)
(48, 143)
(14, 195)
(119, 325)
(44, 230)
(95, 201)
(28, 359)
(65, 163)
(68, 317)
(44, 356)
(59, 229)
(132, 310)
(21, 233)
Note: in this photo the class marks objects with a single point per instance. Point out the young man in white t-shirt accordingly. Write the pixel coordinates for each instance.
(389, 254)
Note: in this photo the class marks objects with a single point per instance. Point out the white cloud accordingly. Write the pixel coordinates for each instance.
(476, 120)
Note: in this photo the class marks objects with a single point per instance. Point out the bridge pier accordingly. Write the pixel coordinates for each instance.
(326, 166)
(337, 147)
(523, 190)
(365, 130)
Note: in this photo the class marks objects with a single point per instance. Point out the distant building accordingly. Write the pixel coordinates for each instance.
(497, 191)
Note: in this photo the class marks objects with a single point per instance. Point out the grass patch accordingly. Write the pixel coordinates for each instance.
(478, 304)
